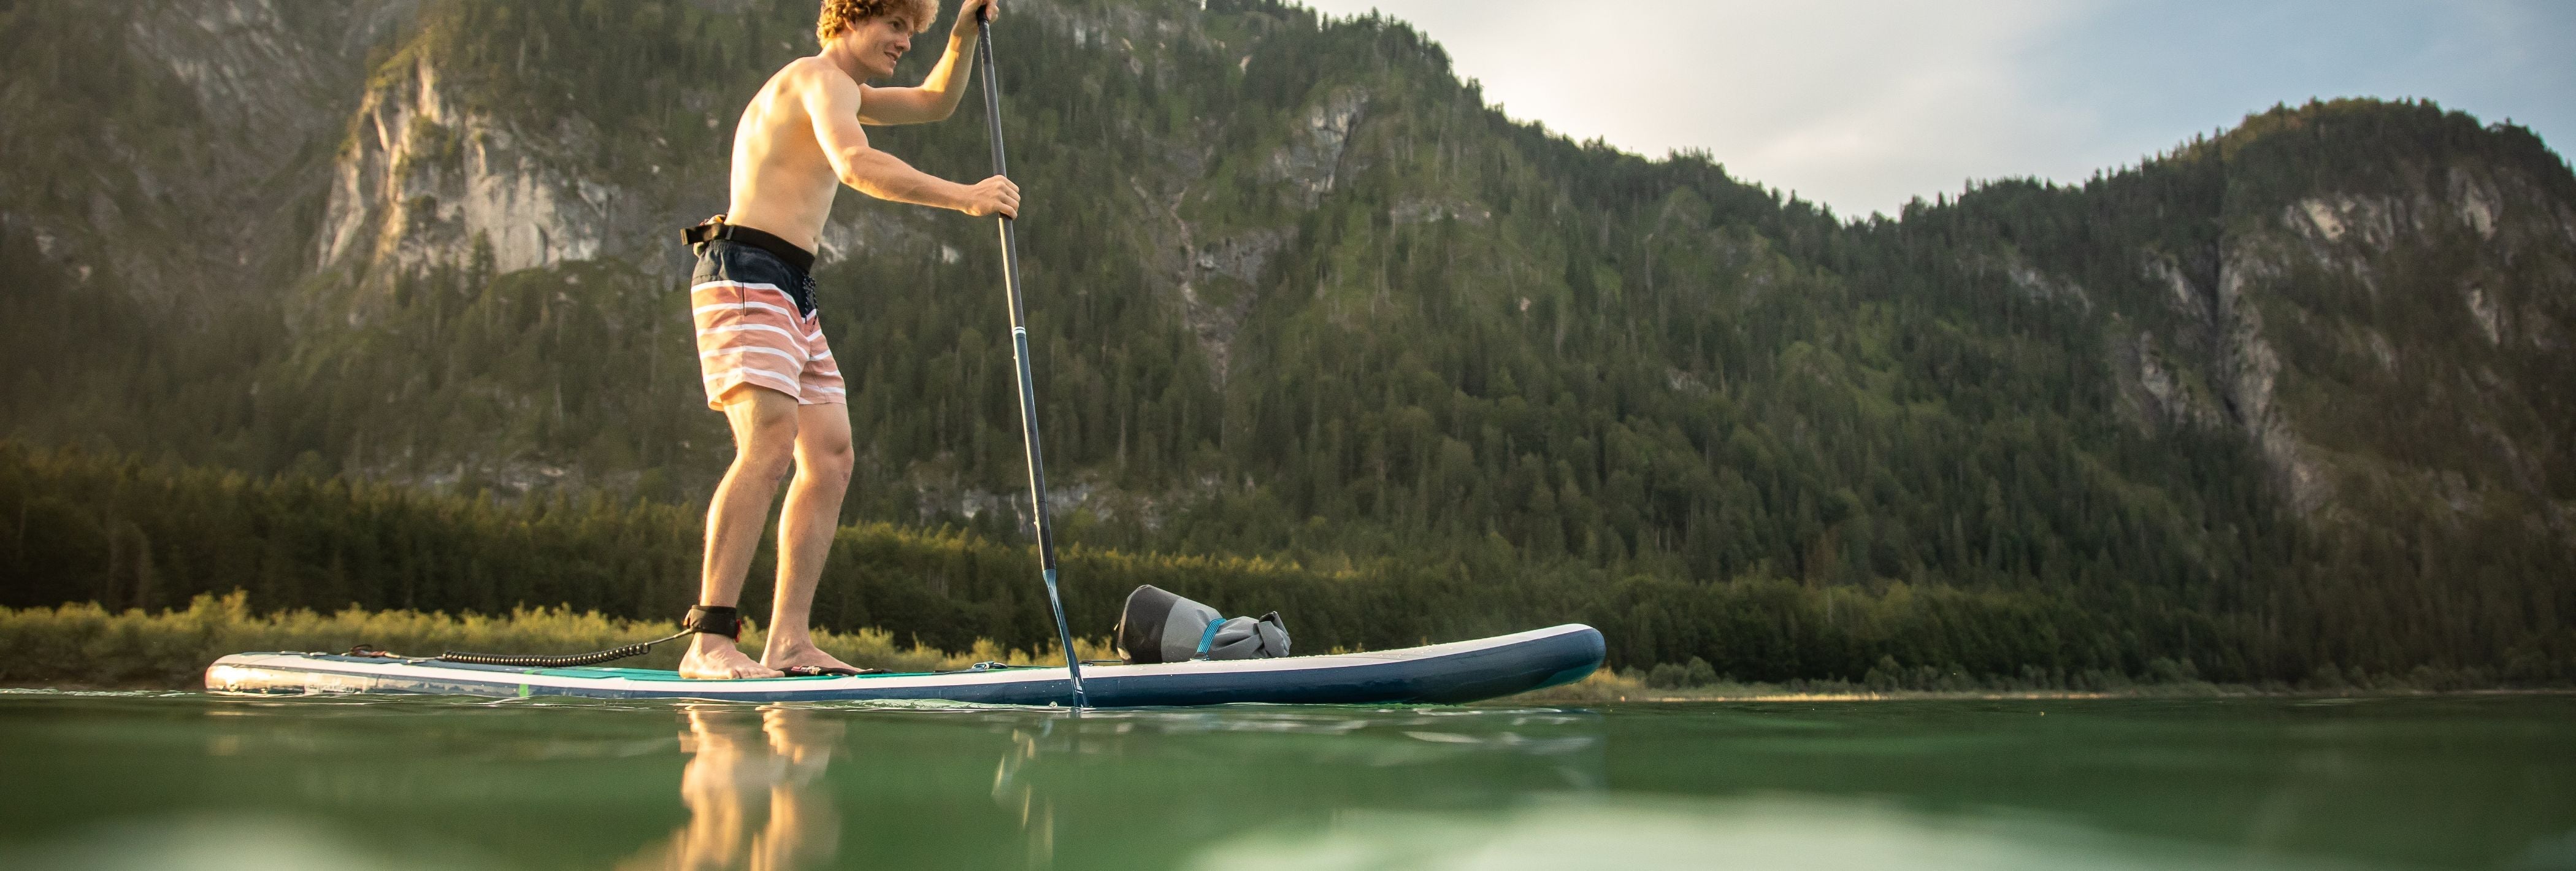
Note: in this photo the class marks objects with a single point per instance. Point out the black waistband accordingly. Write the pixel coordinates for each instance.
(701, 234)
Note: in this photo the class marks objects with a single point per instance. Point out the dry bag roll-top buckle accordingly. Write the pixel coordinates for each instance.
(714, 620)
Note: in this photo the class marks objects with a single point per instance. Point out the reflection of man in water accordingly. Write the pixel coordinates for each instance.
(748, 773)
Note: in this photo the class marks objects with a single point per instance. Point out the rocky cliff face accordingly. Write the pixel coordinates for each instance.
(2355, 334)
(423, 183)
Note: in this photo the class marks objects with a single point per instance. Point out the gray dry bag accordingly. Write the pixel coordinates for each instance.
(1157, 626)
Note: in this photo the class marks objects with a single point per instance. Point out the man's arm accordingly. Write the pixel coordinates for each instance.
(832, 101)
(938, 95)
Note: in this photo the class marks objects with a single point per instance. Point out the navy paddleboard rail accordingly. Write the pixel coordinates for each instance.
(1549, 658)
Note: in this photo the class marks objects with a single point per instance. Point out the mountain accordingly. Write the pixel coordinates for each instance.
(2288, 398)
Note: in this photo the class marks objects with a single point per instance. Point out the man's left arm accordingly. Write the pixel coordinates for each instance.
(938, 95)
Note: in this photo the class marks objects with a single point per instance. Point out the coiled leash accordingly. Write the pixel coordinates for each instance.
(708, 619)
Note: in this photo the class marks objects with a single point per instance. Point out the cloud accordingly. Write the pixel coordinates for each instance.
(1859, 104)
(1864, 105)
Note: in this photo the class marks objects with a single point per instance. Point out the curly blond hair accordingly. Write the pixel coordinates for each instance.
(839, 16)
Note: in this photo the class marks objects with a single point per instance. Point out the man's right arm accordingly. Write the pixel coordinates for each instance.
(832, 101)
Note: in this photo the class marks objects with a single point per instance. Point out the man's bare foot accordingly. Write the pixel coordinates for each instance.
(714, 657)
(800, 656)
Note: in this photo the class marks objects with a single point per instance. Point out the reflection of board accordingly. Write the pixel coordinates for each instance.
(1462, 671)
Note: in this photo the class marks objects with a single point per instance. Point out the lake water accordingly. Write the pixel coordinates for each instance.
(183, 780)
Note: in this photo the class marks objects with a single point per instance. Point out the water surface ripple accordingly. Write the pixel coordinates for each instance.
(186, 780)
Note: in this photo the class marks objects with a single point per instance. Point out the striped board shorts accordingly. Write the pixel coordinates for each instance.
(757, 325)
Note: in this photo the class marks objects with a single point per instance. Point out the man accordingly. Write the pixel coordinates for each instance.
(760, 341)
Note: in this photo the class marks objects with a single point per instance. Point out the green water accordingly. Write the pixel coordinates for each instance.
(174, 781)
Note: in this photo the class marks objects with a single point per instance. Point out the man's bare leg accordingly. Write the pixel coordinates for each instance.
(764, 437)
(805, 529)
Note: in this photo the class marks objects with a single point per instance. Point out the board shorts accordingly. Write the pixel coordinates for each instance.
(757, 324)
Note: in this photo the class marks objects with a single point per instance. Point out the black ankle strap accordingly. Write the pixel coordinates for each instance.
(714, 620)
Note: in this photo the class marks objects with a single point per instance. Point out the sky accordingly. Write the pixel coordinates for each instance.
(1864, 105)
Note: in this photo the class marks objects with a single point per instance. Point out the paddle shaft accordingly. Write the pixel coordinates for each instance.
(1020, 353)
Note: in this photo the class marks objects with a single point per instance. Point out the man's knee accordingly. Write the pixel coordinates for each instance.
(762, 466)
(823, 449)
(827, 463)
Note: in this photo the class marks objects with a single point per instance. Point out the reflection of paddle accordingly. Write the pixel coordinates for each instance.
(1020, 353)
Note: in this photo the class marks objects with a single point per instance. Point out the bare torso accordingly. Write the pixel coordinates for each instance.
(782, 181)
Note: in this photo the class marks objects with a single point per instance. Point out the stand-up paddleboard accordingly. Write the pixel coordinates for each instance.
(1462, 671)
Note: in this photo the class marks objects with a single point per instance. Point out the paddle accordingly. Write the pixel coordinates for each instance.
(1020, 353)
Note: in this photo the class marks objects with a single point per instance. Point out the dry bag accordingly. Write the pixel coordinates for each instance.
(1157, 626)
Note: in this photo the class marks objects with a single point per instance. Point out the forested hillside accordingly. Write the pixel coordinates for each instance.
(2289, 398)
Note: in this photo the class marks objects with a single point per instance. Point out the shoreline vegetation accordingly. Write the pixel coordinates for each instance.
(159, 552)
(82, 646)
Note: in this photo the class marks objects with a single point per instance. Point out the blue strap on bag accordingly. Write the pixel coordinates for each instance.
(1208, 638)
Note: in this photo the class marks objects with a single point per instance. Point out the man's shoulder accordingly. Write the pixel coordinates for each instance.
(811, 72)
